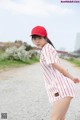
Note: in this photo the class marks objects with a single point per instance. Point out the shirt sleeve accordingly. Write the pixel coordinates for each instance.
(50, 54)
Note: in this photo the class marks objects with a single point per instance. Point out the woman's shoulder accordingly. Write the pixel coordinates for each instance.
(48, 47)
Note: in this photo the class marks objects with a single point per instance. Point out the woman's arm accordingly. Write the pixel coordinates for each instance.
(65, 72)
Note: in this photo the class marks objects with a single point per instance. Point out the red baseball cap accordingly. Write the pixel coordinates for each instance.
(39, 30)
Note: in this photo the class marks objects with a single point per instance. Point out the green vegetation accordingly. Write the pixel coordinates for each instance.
(74, 61)
(7, 64)
(33, 60)
(1, 51)
(17, 54)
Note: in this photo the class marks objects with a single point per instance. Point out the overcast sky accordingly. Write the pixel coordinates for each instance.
(62, 21)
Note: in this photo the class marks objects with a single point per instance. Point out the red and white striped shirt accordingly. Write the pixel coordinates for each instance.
(57, 85)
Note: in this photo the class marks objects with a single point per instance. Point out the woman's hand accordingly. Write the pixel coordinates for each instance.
(76, 80)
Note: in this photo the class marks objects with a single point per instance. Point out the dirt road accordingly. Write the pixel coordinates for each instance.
(23, 95)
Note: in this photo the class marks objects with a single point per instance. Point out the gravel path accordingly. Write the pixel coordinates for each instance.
(23, 95)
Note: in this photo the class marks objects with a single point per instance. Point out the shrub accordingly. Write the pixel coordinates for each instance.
(14, 53)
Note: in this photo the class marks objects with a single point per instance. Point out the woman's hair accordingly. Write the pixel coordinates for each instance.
(37, 36)
(49, 41)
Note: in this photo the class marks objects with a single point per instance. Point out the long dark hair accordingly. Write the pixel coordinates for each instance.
(48, 40)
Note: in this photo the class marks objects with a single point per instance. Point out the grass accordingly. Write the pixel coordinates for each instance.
(1, 51)
(74, 61)
(7, 64)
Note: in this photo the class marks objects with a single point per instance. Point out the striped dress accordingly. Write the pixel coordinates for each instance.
(57, 85)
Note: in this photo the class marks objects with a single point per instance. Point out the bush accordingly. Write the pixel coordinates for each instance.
(19, 54)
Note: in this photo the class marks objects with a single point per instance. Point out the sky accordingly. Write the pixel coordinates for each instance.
(62, 21)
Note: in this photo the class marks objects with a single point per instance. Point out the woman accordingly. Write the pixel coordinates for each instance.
(60, 85)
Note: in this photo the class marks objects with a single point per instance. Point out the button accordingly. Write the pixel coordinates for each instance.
(56, 94)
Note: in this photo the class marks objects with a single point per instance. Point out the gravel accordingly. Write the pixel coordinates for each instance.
(23, 95)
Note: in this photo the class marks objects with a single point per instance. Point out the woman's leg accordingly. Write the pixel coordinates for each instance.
(60, 108)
